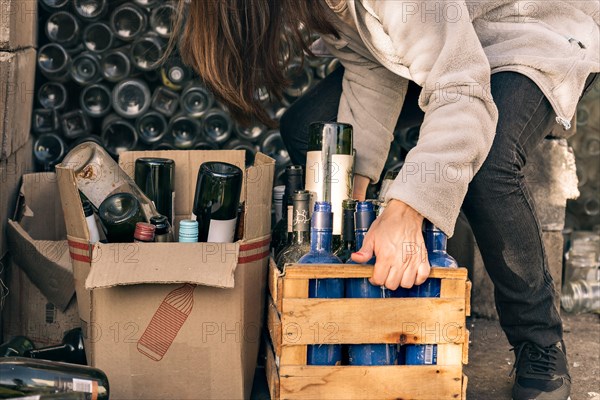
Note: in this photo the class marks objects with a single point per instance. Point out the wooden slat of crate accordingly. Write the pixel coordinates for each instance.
(339, 321)
(275, 284)
(324, 271)
(374, 382)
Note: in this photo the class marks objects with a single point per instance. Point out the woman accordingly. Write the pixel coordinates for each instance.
(492, 77)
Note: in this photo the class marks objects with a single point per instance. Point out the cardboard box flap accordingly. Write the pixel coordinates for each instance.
(47, 264)
(122, 264)
(259, 186)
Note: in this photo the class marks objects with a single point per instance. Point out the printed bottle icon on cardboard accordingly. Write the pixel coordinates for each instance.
(435, 241)
(320, 253)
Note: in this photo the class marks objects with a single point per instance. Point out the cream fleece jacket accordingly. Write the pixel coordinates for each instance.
(450, 48)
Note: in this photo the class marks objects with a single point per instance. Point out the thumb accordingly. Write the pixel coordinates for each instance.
(366, 251)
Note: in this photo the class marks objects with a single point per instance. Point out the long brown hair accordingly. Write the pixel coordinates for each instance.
(234, 45)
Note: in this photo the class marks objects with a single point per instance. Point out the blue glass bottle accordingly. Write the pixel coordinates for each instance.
(367, 354)
(435, 241)
(320, 253)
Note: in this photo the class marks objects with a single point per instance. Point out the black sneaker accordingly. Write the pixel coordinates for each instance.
(541, 372)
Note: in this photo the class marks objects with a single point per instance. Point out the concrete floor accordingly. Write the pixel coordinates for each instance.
(490, 360)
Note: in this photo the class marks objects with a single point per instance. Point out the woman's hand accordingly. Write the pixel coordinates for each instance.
(397, 241)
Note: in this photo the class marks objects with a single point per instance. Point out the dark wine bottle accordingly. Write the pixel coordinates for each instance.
(63, 28)
(217, 126)
(16, 347)
(115, 65)
(196, 99)
(131, 98)
(300, 243)
(96, 100)
(156, 178)
(337, 137)
(151, 127)
(75, 124)
(282, 233)
(128, 22)
(147, 51)
(90, 10)
(54, 62)
(216, 201)
(85, 68)
(321, 253)
(184, 130)
(48, 150)
(52, 95)
(70, 350)
(348, 244)
(436, 242)
(119, 214)
(252, 132)
(175, 74)
(162, 19)
(24, 376)
(165, 101)
(54, 5)
(45, 120)
(118, 135)
(367, 354)
(98, 37)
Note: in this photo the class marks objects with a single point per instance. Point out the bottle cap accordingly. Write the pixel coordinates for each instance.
(87, 208)
(322, 217)
(188, 231)
(161, 223)
(144, 232)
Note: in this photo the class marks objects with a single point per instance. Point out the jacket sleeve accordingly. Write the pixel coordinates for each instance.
(436, 42)
(371, 101)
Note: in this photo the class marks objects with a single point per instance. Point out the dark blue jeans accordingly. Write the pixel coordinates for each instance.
(498, 205)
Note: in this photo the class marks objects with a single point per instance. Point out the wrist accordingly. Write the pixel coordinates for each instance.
(400, 208)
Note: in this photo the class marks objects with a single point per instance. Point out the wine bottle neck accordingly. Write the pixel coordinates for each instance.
(360, 238)
(300, 237)
(436, 241)
(320, 240)
(51, 352)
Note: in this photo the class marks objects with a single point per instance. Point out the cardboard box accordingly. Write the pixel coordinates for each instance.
(11, 171)
(17, 89)
(175, 320)
(40, 303)
(18, 24)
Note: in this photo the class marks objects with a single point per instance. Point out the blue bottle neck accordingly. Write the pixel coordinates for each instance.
(320, 240)
(436, 241)
(360, 238)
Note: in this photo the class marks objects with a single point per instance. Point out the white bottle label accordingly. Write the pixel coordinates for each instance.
(93, 229)
(82, 385)
(221, 231)
(341, 182)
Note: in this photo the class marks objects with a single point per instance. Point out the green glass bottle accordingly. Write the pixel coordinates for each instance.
(26, 376)
(70, 350)
(16, 347)
(119, 214)
(300, 243)
(216, 201)
(163, 231)
(336, 187)
(156, 178)
(348, 242)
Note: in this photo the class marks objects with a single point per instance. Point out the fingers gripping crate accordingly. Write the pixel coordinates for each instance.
(294, 321)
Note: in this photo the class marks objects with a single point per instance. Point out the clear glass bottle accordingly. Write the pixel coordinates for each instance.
(151, 127)
(348, 243)
(436, 242)
(128, 22)
(52, 96)
(118, 135)
(300, 243)
(321, 253)
(70, 350)
(581, 296)
(98, 176)
(25, 377)
(131, 98)
(337, 138)
(119, 214)
(367, 354)
(96, 100)
(48, 151)
(216, 201)
(98, 38)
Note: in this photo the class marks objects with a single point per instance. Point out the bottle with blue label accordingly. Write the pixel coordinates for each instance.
(320, 253)
(367, 354)
(436, 242)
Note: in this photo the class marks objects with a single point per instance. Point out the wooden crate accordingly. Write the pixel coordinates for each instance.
(295, 321)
